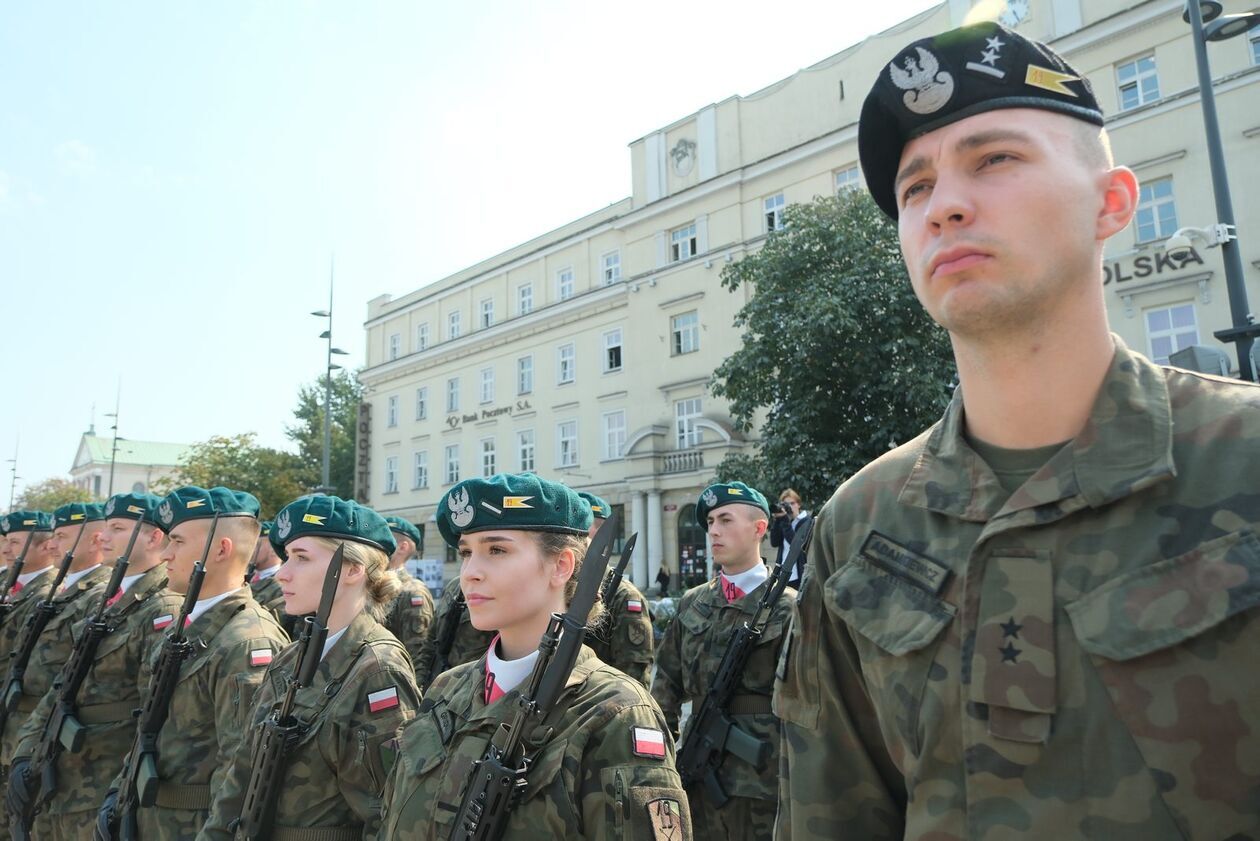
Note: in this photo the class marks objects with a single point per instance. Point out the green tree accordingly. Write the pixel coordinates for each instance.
(50, 494)
(274, 476)
(308, 432)
(837, 354)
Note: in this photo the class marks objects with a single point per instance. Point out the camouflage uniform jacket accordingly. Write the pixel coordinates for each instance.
(52, 651)
(411, 614)
(691, 652)
(623, 638)
(587, 781)
(108, 696)
(24, 602)
(210, 710)
(267, 593)
(468, 645)
(335, 773)
(1075, 662)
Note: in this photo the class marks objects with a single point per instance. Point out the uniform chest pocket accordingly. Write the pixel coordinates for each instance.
(1175, 643)
(898, 622)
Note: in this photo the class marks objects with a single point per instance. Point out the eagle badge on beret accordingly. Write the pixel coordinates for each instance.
(4, 524)
(927, 87)
(461, 511)
(109, 507)
(709, 498)
(283, 524)
(165, 514)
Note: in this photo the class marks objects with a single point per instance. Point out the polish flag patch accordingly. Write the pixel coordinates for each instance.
(417, 601)
(634, 606)
(163, 622)
(384, 699)
(648, 742)
(260, 657)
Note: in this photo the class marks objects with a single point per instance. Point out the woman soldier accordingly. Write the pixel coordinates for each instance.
(363, 690)
(605, 768)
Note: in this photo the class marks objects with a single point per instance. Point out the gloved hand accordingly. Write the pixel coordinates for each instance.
(21, 791)
(107, 817)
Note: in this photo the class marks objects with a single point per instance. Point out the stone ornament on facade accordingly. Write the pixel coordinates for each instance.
(684, 156)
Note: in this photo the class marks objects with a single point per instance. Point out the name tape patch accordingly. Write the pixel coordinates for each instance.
(923, 571)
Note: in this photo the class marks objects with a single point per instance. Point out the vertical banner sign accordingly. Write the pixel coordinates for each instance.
(363, 453)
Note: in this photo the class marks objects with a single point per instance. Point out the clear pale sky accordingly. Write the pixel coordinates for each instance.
(174, 177)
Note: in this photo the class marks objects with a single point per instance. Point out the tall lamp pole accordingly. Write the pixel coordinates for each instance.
(113, 453)
(13, 483)
(325, 480)
(1244, 330)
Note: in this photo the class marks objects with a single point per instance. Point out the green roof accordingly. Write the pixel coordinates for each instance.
(96, 448)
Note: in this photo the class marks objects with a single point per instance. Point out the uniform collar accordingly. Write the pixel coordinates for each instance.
(1126, 445)
(712, 598)
(586, 663)
(77, 582)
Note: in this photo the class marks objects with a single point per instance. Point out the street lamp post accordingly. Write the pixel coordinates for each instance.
(1244, 329)
(325, 479)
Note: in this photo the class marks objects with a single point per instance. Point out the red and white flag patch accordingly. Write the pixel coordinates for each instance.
(417, 601)
(648, 742)
(260, 657)
(163, 622)
(384, 699)
(634, 606)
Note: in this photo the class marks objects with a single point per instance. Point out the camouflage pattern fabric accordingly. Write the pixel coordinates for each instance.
(587, 782)
(1076, 661)
(23, 602)
(337, 770)
(209, 713)
(105, 701)
(623, 638)
(268, 594)
(469, 643)
(411, 614)
(690, 654)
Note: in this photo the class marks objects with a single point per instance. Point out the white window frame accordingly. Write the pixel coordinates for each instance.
(526, 451)
(452, 325)
(391, 474)
(772, 212)
(566, 284)
(452, 395)
(686, 413)
(452, 464)
(1130, 75)
(489, 457)
(566, 364)
(487, 313)
(391, 410)
(1253, 45)
(420, 470)
(487, 385)
(1149, 209)
(612, 341)
(567, 443)
(847, 180)
(683, 243)
(614, 427)
(422, 336)
(422, 402)
(684, 339)
(525, 299)
(395, 346)
(1180, 337)
(525, 374)
(610, 267)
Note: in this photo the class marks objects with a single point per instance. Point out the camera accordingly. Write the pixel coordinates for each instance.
(780, 508)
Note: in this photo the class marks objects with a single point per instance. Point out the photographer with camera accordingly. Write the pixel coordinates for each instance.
(787, 516)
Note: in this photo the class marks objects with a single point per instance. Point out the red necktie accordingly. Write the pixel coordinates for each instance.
(17, 588)
(113, 600)
(257, 577)
(492, 692)
(731, 592)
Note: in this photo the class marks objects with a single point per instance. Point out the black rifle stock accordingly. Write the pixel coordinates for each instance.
(10, 581)
(140, 776)
(253, 561)
(446, 637)
(711, 732)
(614, 579)
(282, 730)
(497, 780)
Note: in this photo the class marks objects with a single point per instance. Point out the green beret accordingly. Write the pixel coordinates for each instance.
(317, 515)
(16, 521)
(511, 501)
(267, 526)
(715, 496)
(405, 528)
(599, 506)
(193, 503)
(134, 507)
(77, 513)
(954, 75)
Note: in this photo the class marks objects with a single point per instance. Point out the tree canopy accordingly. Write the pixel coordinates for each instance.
(308, 432)
(236, 462)
(50, 494)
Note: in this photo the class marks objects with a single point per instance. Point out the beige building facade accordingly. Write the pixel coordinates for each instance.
(585, 354)
(135, 465)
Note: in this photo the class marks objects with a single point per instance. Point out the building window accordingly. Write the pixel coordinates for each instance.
(395, 345)
(1156, 211)
(1255, 46)
(487, 313)
(525, 299)
(422, 336)
(525, 450)
(686, 413)
(422, 403)
(1170, 329)
(452, 395)
(610, 268)
(452, 464)
(487, 385)
(686, 331)
(566, 369)
(452, 325)
(612, 351)
(487, 457)
(391, 474)
(391, 410)
(96, 486)
(567, 444)
(1138, 81)
(614, 434)
(564, 284)
(420, 475)
(848, 180)
(772, 212)
(525, 374)
(682, 243)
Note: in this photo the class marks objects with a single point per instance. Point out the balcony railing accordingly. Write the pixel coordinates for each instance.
(684, 461)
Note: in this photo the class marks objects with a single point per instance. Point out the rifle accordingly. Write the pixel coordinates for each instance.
(140, 775)
(282, 730)
(63, 730)
(711, 733)
(497, 780)
(45, 610)
(614, 578)
(253, 561)
(446, 637)
(6, 604)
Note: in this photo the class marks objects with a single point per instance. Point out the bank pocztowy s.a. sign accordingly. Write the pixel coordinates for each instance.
(1145, 265)
(454, 421)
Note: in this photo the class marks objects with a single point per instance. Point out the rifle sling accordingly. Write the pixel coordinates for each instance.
(106, 713)
(189, 797)
(749, 705)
